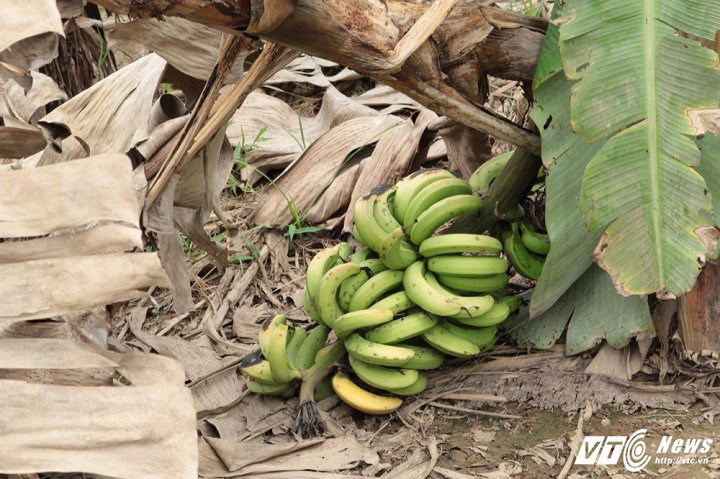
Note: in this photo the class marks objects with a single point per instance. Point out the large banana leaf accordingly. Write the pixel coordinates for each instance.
(637, 76)
(565, 155)
(592, 311)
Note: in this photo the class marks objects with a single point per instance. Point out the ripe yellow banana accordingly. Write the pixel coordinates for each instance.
(362, 400)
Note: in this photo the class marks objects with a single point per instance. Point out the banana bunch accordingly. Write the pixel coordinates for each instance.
(284, 352)
(526, 248)
(399, 305)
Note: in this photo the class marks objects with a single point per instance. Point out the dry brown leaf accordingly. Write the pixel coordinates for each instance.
(120, 103)
(106, 238)
(50, 287)
(32, 29)
(466, 148)
(306, 179)
(28, 105)
(284, 142)
(40, 201)
(190, 47)
(20, 142)
(333, 454)
(146, 429)
(337, 196)
(393, 157)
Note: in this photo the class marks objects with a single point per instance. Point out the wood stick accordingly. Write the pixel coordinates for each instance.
(474, 411)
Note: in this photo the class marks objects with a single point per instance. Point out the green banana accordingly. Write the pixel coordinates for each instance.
(361, 255)
(431, 194)
(266, 329)
(400, 329)
(479, 284)
(425, 358)
(367, 226)
(471, 306)
(309, 306)
(321, 263)
(460, 243)
(395, 252)
(442, 212)
(327, 296)
(381, 376)
(374, 288)
(356, 235)
(468, 266)
(396, 302)
(412, 185)
(496, 315)
(350, 286)
(415, 388)
(480, 337)
(348, 323)
(512, 301)
(424, 295)
(314, 342)
(533, 240)
(284, 390)
(323, 390)
(277, 355)
(382, 209)
(293, 346)
(484, 175)
(524, 262)
(374, 353)
(443, 340)
(257, 369)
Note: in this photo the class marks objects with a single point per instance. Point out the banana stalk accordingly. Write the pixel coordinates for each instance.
(311, 421)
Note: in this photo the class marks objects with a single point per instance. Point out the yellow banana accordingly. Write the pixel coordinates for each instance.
(362, 400)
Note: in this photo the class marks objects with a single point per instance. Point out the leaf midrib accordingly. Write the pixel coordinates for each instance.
(653, 158)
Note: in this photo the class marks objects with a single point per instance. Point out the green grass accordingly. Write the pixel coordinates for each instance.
(531, 8)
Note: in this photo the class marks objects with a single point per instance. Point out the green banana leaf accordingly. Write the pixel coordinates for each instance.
(637, 74)
(709, 168)
(565, 155)
(592, 311)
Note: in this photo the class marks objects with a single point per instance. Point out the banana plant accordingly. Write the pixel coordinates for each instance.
(639, 69)
(615, 87)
